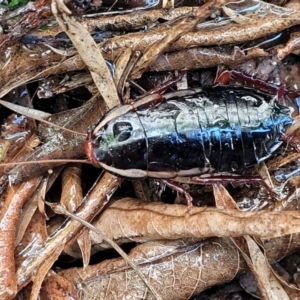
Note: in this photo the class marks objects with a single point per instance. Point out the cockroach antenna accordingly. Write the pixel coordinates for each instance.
(46, 161)
(60, 127)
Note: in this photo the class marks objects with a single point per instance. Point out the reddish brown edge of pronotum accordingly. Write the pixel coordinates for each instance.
(89, 151)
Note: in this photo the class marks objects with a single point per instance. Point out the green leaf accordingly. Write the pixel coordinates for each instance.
(14, 3)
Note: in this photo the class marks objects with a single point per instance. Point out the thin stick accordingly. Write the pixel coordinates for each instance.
(60, 127)
(61, 209)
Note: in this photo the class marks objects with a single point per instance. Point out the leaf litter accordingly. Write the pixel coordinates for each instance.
(203, 251)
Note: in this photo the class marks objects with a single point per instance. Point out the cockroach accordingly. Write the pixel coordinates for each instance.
(214, 129)
(190, 132)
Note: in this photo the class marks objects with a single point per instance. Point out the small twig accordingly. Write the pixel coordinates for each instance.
(61, 209)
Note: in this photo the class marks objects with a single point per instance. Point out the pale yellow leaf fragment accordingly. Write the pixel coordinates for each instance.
(268, 285)
(28, 112)
(223, 198)
(89, 52)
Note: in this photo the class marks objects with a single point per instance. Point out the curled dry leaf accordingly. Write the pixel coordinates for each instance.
(151, 221)
(44, 268)
(71, 197)
(164, 264)
(196, 58)
(30, 214)
(35, 234)
(137, 19)
(292, 45)
(28, 112)
(223, 199)
(8, 221)
(232, 34)
(108, 277)
(20, 67)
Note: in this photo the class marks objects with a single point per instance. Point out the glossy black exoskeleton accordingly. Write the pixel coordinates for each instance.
(218, 129)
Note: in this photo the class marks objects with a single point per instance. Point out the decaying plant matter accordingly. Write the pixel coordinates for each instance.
(113, 56)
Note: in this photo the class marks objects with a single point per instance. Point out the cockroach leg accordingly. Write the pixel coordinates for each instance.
(271, 88)
(165, 85)
(176, 187)
(281, 91)
(224, 179)
(223, 78)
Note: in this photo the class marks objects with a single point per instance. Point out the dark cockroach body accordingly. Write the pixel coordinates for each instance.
(218, 129)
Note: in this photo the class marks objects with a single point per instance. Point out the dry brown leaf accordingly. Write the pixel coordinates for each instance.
(136, 19)
(232, 34)
(39, 276)
(292, 45)
(32, 20)
(165, 264)
(22, 67)
(58, 288)
(131, 220)
(29, 209)
(35, 234)
(28, 112)
(264, 173)
(197, 58)
(158, 253)
(32, 228)
(84, 243)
